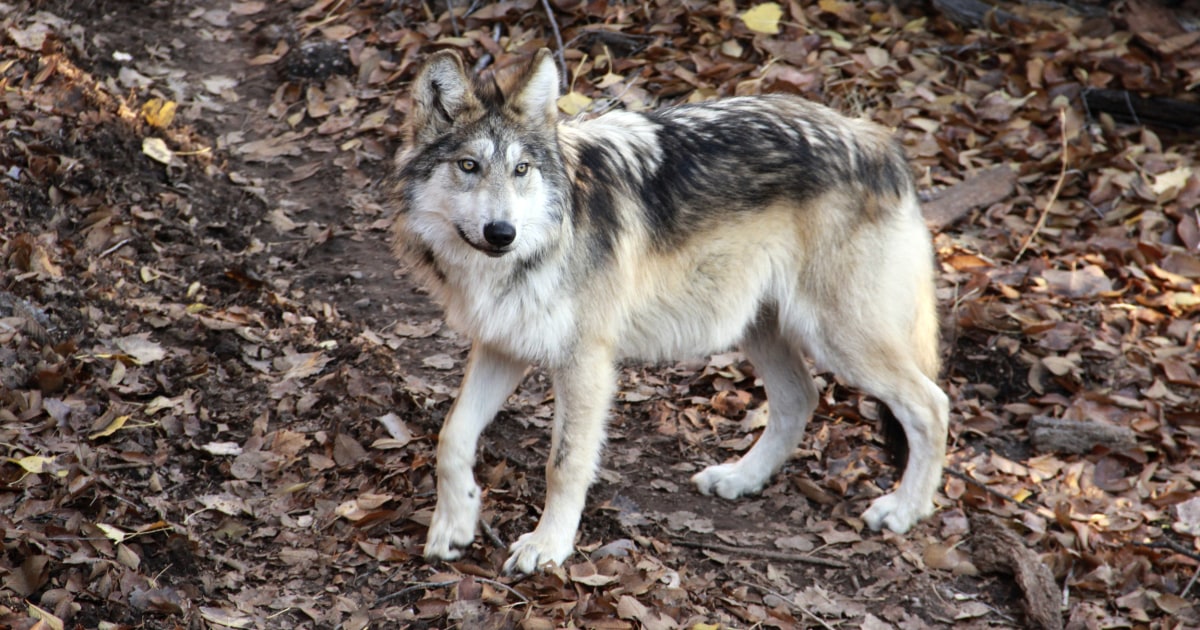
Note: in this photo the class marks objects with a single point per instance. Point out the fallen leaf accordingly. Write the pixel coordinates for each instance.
(45, 618)
(112, 427)
(141, 349)
(159, 112)
(763, 18)
(157, 150)
(572, 103)
(1086, 281)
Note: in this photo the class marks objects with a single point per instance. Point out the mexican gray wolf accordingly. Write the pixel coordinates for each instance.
(769, 223)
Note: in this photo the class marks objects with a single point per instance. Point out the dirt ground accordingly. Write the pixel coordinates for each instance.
(219, 396)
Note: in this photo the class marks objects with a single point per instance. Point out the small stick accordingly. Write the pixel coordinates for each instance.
(423, 586)
(504, 586)
(1028, 506)
(453, 18)
(1062, 176)
(486, 59)
(791, 603)
(764, 553)
(1172, 545)
(562, 59)
(491, 534)
(1191, 584)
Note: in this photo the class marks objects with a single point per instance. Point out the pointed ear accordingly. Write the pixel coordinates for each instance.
(441, 93)
(539, 94)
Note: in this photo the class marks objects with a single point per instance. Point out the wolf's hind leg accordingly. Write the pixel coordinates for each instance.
(489, 379)
(792, 396)
(923, 410)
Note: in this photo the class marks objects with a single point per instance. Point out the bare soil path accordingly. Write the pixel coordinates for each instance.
(219, 397)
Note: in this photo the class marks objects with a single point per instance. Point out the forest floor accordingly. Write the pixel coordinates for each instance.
(219, 395)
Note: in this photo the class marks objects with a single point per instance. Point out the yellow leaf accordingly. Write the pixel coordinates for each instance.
(112, 427)
(572, 103)
(706, 626)
(158, 112)
(112, 533)
(157, 150)
(763, 18)
(34, 464)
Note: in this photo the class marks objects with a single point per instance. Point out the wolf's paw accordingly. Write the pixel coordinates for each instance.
(896, 513)
(451, 530)
(536, 549)
(728, 481)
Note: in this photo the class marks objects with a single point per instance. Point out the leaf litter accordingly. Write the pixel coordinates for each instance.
(220, 404)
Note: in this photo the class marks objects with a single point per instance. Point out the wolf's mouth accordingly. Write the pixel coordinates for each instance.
(494, 252)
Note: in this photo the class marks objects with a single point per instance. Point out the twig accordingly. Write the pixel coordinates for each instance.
(423, 586)
(453, 18)
(504, 586)
(1172, 545)
(1062, 176)
(491, 534)
(561, 56)
(1191, 583)
(1028, 506)
(763, 553)
(791, 603)
(487, 56)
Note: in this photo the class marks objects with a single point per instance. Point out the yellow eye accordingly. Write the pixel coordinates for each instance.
(468, 166)
(522, 169)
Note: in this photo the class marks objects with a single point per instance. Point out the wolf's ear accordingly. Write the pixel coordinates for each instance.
(441, 93)
(539, 93)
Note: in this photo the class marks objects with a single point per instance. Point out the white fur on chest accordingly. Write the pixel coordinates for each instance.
(534, 320)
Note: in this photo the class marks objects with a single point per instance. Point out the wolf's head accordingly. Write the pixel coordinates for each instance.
(483, 171)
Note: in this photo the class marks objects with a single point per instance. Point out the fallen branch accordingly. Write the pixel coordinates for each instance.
(979, 190)
(1056, 435)
(1125, 106)
(763, 553)
(996, 549)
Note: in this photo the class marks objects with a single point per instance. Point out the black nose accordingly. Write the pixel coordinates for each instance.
(499, 233)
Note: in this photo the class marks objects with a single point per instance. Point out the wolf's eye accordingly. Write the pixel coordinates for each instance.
(522, 169)
(468, 166)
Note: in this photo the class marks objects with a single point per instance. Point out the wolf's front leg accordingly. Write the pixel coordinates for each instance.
(489, 379)
(583, 392)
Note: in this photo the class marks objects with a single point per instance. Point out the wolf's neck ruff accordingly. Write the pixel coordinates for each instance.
(771, 223)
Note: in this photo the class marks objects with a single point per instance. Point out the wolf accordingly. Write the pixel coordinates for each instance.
(769, 223)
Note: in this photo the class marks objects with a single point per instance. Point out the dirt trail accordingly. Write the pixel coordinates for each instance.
(219, 395)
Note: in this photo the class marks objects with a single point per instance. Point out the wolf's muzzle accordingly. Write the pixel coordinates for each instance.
(496, 238)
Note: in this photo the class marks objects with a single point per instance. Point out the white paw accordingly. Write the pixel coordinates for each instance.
(728, 481)
(453, 527)
(536, 549)
(896, 513)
